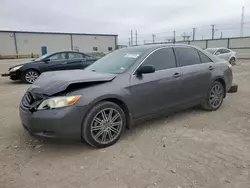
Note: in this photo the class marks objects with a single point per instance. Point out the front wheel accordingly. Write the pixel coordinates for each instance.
(30, 76)
(214, 97)
(103, 125)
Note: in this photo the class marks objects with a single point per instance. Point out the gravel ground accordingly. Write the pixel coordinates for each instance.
(192, 148)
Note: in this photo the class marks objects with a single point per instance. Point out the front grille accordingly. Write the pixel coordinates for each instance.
(30, 99)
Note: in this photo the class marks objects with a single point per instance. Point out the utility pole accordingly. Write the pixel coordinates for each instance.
(193, 34)
(144, 41)
(174, 38)
(213, 31)
(153, 36)
(242, 22)
(136, 37)
(129, 44)
(131, 39)
(221, 35)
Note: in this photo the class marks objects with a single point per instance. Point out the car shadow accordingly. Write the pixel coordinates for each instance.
(162, 121)
(54, 145)
(14, 83)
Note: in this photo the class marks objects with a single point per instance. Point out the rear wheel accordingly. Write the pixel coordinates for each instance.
(232, 61)
(214, 97)
(30, 76)
(103, 125)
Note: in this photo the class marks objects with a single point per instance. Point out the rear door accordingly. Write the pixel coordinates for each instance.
(76, 60)
(223, 54)
(158, 91)
(196, 74)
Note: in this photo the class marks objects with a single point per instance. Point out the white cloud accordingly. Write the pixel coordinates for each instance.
(117, 16)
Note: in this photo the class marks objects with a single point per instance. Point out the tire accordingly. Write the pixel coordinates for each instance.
(98, 133)
(209, 104)
(232, 61)
(33, 76)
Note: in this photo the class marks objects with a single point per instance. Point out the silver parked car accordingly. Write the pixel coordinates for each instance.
(224, 53)
(122, 88)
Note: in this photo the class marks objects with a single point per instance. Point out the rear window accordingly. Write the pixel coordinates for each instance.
(210, 50)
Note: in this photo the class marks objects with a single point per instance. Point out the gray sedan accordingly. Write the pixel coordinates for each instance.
(224, 53)
(121, 89)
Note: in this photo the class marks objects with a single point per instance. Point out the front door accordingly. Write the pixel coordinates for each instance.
(57, 61)
(156, 91)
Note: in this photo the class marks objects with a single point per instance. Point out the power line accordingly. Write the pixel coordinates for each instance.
(242, 23)
(131, 38)
(213, 31)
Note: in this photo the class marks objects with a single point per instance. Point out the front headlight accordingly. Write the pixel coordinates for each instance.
(58, 102)
(15, 68)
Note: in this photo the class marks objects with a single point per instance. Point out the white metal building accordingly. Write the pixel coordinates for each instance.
(23, 42)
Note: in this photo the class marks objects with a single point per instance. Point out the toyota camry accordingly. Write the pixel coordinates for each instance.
(121, 89)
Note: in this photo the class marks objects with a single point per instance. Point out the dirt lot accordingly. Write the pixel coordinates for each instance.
(193, 148)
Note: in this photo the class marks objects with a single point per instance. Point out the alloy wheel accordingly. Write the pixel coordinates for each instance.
(106, 126)
(216, 96)
(31, 76)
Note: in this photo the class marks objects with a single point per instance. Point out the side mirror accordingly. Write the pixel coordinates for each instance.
(217, 53)
(46, 60)
(146, 69)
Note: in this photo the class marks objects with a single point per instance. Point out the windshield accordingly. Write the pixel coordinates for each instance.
(42, 57)
(116, 62)
(211, 50)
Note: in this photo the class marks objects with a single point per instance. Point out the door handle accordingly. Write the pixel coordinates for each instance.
(210, 68)
(176, 75)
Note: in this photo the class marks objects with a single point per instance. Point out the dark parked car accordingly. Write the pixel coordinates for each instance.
(121, 89)
(64, 60)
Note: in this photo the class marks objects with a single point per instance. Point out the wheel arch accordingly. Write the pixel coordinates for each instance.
(222, 81)
(118, 101)
(31, 68)
(123, 106)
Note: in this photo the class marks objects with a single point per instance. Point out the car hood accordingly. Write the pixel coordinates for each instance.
(26, 63)
(50, 83)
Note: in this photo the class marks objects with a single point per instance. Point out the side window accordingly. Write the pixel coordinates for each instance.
(58, 56)
(225, 51)
(161, 59)
(220, 51)
(204, 58)
(75, 56)
(187, 56)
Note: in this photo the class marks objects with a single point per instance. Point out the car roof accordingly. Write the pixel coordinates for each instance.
(66, 51)
(218, 48)
(149, 47)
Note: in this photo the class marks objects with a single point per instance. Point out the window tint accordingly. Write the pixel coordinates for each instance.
(58, 56)
(225, 51)
(161, 59)
(187, 56)
(204, 58)
(75, 56)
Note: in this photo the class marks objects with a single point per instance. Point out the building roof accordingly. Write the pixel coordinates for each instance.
(58, 33)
